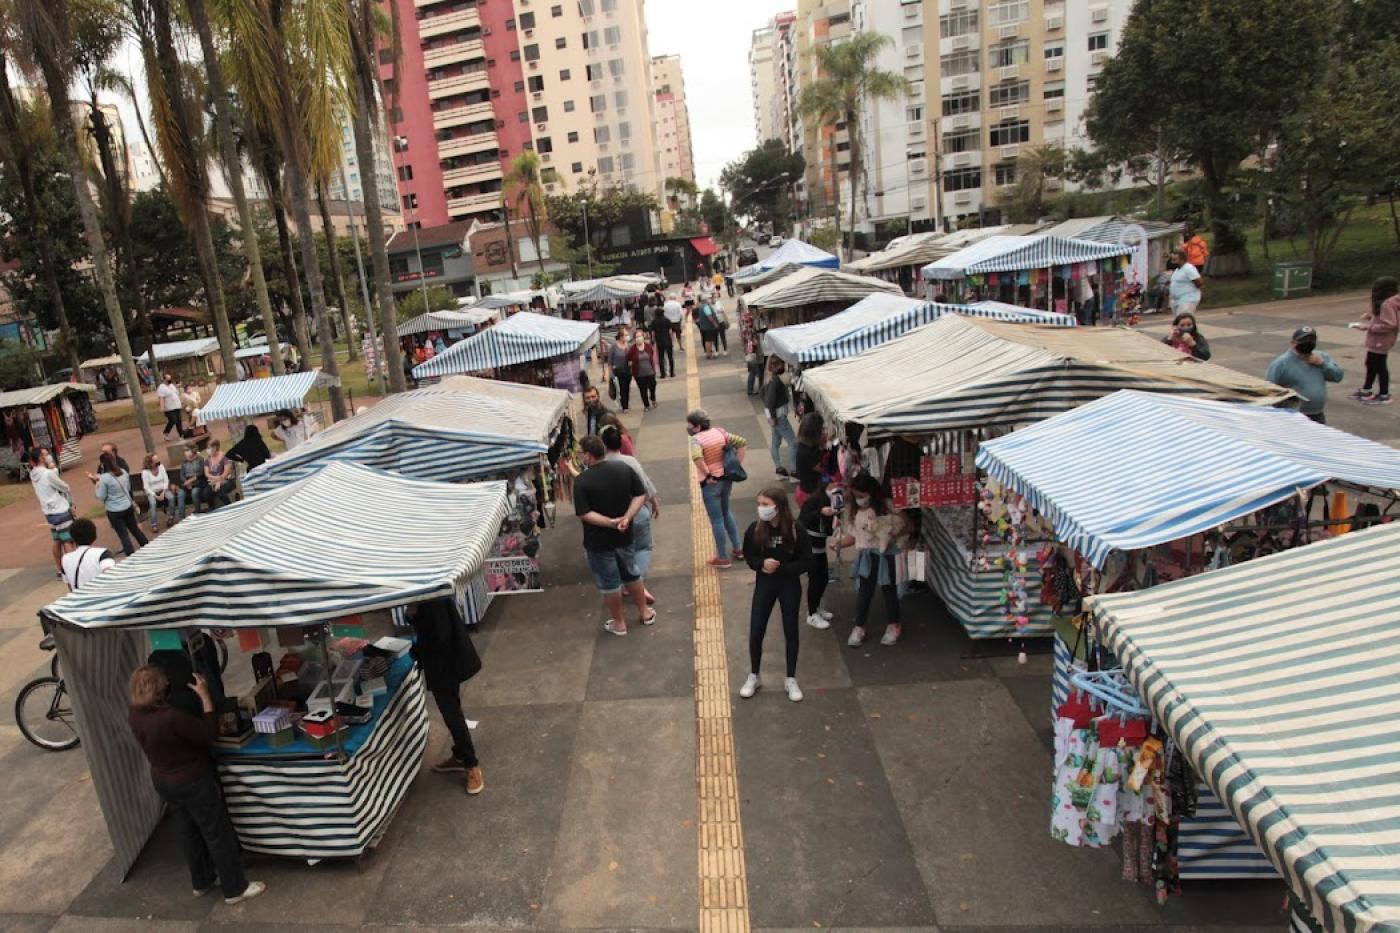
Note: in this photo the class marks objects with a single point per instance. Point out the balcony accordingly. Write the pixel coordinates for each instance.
(474, 204)
(466, 145)
(431, 26)
(460, 84)
(466, 113)
(472, 173)
(457, 52)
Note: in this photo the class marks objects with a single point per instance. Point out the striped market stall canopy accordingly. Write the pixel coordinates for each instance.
(41, 394)
(1016, 253)
(879, 318)
(791, 253)
(165, 352)
(522, 338)
(1277, 679)
(613, 288)
(913, 250)
(253, 397)
(816, 285)
(257, 349)
(460, 319)
(963, 372)
(429, 434)
(506, 300)
(1136, 469)
(346, 540)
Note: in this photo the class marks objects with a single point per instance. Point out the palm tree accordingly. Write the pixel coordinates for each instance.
(118, 83)
(333, 258)
(180, 133)
(526, 175)
(46, 26)
(850, 80)
(233, 166)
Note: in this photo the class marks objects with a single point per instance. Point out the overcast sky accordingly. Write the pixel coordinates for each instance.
(712, 39)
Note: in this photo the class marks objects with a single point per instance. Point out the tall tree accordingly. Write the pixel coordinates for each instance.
(758, 182)
(233, 167)
(337, 272)
(524, 186)
(47, 28)
(849, 80)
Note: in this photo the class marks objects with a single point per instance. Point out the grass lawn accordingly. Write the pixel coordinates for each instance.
(1367, 249)
(10, 493)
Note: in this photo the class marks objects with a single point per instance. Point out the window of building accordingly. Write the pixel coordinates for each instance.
(1092, 81)
(1054, 49)
(620, 99)
(1004, 173)
(568, 106)
(612, 35)
(564, 74)
(396, 115)
(540, 114)
(914, 73)
(524, 116)
(556, 11)
(386, 56)
(843, 147)
(598, 103)
(532, 52)
(519, 86)
(405, 173)
(1008, 13)
(510, 25)
(615, 67)
(626, 162)
(624, 132)
(1098, 42)
(433, 265)
(590, 39)
(595, 72)
(561, 43)
(1011, 132)
(410, 201)
(961, 23)
(608, 6)
(1054, 90)
(962, 179)
(914, 114)
(398, 265)
(536, 83)
(573, 137)
(1005, 54)
(959, 63)
(962, 141)
(527, 20)
(601, 134)
(961, 102)
(545, 144)
(605, 164)
(1009, 93)
(515, 54)
(576, 168)
(585, 7)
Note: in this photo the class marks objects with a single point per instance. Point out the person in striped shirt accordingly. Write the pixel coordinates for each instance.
(707, 444)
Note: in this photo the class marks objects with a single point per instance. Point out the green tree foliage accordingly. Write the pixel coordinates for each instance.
(606, 211)
(19, 366)
(827, 237)
(412, 304)
(759, 183)
(163, 256)
(715, 213)
(561, 250)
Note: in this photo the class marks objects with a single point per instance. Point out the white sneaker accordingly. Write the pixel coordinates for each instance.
(826, 614)
(857, 637)
(750, 687)
(891, 636)
(253, 890)
(794, 692)
(816, 621)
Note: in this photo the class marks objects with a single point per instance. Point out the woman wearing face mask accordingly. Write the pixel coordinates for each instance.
(1186, 338)
(876, 533)
(642, 363)
(777, 551)
(615, 367)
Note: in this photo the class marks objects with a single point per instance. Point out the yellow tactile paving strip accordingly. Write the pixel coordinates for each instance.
(724, 892)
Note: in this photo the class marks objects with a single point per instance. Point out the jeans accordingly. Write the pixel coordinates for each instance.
(770, 588)
(646, 387)
(221, 494)
(194, 495)
(865, 594)
(782, 430)
(127, 527)
(723, 340)
(168, 503)
(207, 835)
(755, 378)
(449, 704)
(641, 541)
(172, 420)
(715, 495)
(624, 388)
(613, 569)
(666, 356)
(818, 576)
(1377, 367)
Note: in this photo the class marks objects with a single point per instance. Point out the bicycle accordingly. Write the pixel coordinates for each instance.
(44, 711)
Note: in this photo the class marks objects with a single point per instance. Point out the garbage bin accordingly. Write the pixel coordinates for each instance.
(1292, 279)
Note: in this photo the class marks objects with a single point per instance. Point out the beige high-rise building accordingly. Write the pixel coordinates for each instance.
(826, 148)
(673, 140)
(763, 75)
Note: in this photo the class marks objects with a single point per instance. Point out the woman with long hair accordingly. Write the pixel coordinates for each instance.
(876, 533)
(707, 447)
(114, 492)
(777, 552)
(643, 364)
(156, 481)
(1381, 323)
(807, 459)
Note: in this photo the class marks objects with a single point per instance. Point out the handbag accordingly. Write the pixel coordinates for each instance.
(733, 468)
(612, 388)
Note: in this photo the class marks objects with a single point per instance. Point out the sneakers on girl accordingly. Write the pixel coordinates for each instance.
(1360, 394)
(891, 636)
(816, 621)
(794, 692)
(1377, 399)
(857, 637)
(750, 687)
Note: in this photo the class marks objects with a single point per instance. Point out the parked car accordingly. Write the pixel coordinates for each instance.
(60, 376)
(747, 256)
(775, 240)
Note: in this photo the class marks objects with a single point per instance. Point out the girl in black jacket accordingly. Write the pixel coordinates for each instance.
(816, 522)
(779, 554)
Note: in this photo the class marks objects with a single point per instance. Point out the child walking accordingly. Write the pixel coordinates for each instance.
(779, 554)
(1381, 324)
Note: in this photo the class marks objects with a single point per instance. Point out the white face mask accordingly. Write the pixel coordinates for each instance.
(862, 501)
(767, 512)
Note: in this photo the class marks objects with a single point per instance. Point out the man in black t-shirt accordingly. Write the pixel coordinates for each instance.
(606, 499)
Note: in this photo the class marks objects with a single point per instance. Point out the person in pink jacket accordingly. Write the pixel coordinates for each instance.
(1381, 324)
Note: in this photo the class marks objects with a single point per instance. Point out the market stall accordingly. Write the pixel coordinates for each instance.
(786, 259)
(810, 294)
(289, 571)
(920, 406)
(255, 362)
(529, 348)
(1276, 680)
(253, 397)
(188, 360)
(901, 261)
(52, 416)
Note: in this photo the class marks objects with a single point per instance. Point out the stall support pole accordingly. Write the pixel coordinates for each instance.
(330, 682)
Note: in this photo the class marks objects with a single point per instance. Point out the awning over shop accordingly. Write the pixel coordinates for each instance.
(23, 398)
(1277, 679)
(165, 352)
(448, 432)
(347, 540)
(1137, 469)
(913, 250)
(460, 319)
(253, 397)
(791, 253)
(1018, 253)
(879, 318)
(505, 300)
(815, 285)
(704, 245)
(1107, 228)
(964, 373)
(521, 338)
(256, 350)
(613, 288)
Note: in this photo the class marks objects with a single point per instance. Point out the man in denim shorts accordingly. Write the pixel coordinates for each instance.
(606, 498)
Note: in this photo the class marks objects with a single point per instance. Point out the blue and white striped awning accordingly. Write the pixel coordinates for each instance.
(347, 540)
(815, 285)
(506, 300)
(1017, 253)
(612, 288)
(256, 350)
(879, 318)
(791, 253)
(450, 320)
(1136, 469)
(521, 338)
(965, 373)
(1277, 678)
(441, 433)
(253, 397)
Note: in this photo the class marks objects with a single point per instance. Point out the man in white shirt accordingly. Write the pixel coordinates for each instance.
(675, 316)
(55, 499)
(86, 562)
(171, 404)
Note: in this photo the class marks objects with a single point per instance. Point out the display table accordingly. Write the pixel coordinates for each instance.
(973, 596)
(300, 802)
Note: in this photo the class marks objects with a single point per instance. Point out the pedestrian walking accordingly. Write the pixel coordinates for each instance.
(611, 420)
(114, 492)
(86, 561)
(708, 324)
(817, 520)
(664, 340)
(876, 532)
(607, 497)
(444, 650)
(617, 369)
(191, 486)
(674, 313)
(593, 410)
(777, 400)
(1306, 370)
(810, 455)
(218, 476)
(171, 405)
(1381, 323)
(643, 364)
(642, 542)
(722, 322)
(179, 747)
(55, 501)
(777, 552)
(1185, 285)
(710, 449)
(156, 482)
(292, 428)
(753, 362)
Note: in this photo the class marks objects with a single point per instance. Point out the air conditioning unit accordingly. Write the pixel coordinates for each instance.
(962, 197)
(962, 160)
(534, 66)
(539, 126)
(918, 204)
(1054, 64)
(1010, 153)
(1054, 106)
(529, 34)
(1099, 15)
(958, 5)
(918, 166)
(1008, 32)
(1054, 22)
(1098, 58)
(912, 51)
(546, 157)
(960, 84)
(961, 123)
(960, 43)
(1010, 73)
(536, 95)
(916, 130)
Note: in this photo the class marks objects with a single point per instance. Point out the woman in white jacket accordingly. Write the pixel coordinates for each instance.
(156, 482)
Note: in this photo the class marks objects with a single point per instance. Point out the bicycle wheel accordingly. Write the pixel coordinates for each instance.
(44, 715)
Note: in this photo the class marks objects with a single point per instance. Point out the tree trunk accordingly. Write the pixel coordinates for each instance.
(510, 240)
(534, 223)
(376, 353)
(228, 153)
(1394, 216)
(300, 330)
(362, 89)
(46, 22)
(337, 274)
(836, 193)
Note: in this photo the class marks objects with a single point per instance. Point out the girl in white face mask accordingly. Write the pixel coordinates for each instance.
(876, 532)
(779, 554)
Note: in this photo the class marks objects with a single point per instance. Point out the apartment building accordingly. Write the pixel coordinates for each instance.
(773, 79)
(356, 178)
(673, 139)
(826, 149)
(786, 70)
